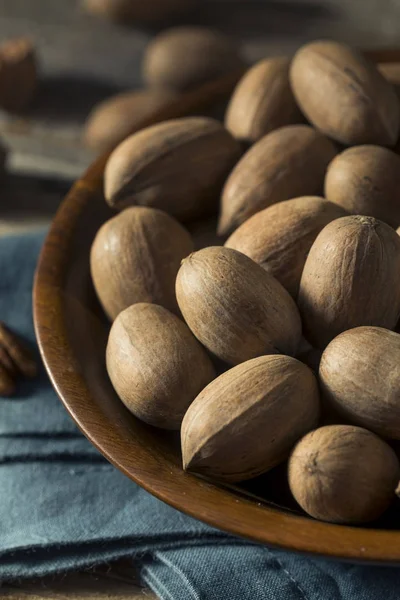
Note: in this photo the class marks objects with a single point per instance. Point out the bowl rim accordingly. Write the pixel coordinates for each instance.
(215, 505)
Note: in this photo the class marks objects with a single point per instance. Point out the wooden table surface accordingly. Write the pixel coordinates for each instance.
(84, 60)
(107, 582)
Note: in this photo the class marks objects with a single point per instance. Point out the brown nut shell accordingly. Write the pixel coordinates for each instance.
(235, 308)
(365, 180)
(344, 95)
(18, 74)
(343, 474)
(351, 278)
(135, 258)
(288, 162)
(184, 57)
(360, 378)
(279, 237)
(262, 101)
(155, 364)
(247, 420)
(111, 121)
(179, 166)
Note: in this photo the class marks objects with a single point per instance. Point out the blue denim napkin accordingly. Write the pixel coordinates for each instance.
(63, 507)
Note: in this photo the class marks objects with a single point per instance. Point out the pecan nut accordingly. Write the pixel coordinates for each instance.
(15, 359)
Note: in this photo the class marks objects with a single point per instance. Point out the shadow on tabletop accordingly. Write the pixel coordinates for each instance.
(69, 97)
(257, 17)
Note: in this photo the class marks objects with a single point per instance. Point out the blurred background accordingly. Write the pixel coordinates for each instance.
(84, 57)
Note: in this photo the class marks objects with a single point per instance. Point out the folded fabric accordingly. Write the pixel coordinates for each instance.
(63, 507)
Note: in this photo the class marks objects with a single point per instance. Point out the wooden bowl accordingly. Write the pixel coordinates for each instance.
(72, 331)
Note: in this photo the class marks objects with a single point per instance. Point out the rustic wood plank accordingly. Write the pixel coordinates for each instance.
(108, 582)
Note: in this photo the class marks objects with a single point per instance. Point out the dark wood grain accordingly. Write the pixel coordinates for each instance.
(112, 581)
(72, 332)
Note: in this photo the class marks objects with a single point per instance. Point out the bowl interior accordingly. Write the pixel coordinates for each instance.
(72, 333)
